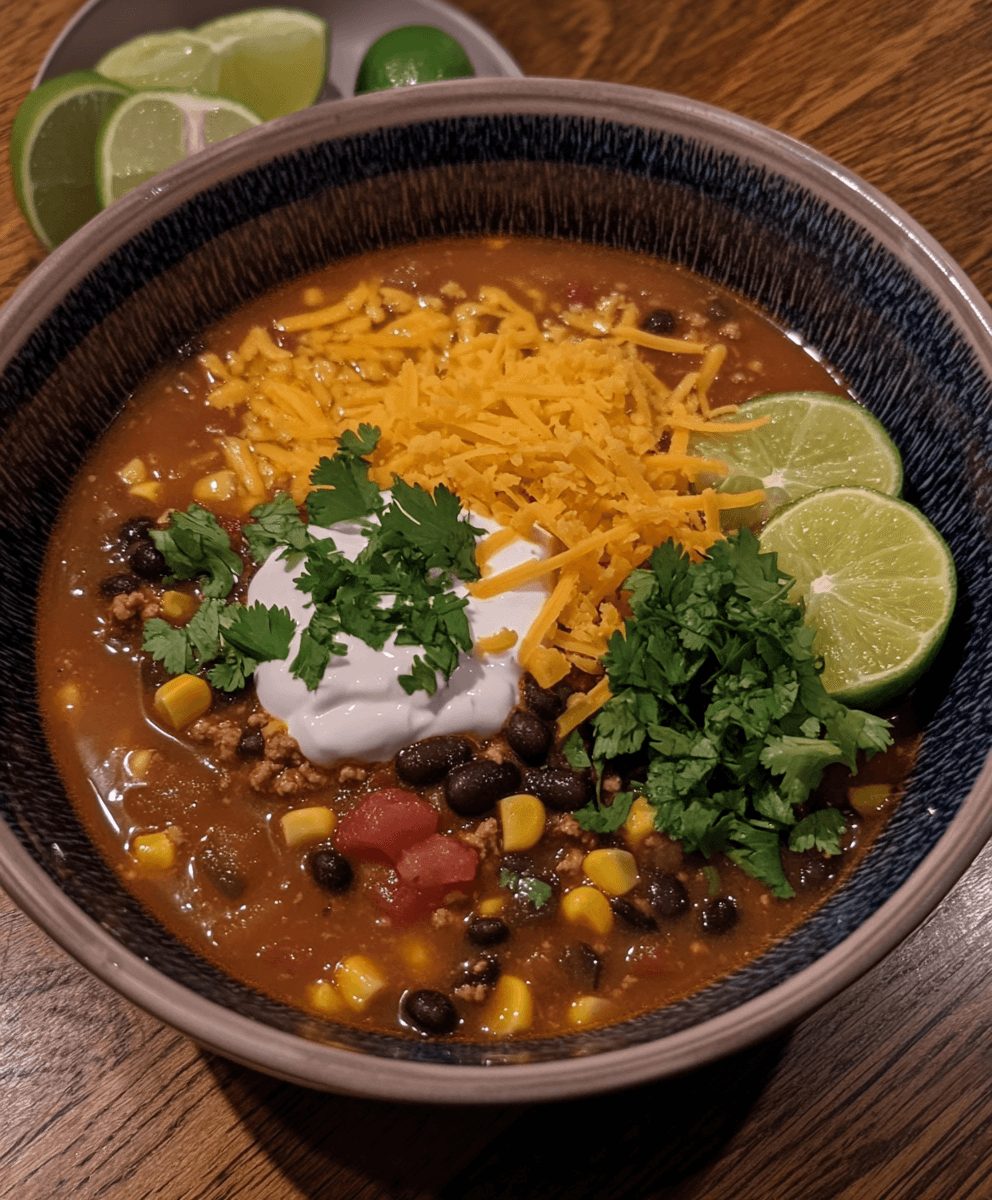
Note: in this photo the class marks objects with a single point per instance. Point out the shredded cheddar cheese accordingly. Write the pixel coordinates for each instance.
(553, 423)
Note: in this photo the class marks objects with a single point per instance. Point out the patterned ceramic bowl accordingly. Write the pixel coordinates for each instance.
(748, 208)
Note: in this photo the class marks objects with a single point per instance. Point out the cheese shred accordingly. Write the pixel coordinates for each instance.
(550, 424)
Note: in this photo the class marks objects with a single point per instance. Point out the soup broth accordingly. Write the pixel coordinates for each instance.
(299, 909)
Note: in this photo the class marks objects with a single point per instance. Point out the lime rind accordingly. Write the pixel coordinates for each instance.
(812, 440)
(57, 205)
(877, 582)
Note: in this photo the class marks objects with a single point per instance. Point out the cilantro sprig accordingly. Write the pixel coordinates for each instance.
(399, 585)
(715, 679)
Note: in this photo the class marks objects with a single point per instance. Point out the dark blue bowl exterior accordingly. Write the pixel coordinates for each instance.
(759, 234)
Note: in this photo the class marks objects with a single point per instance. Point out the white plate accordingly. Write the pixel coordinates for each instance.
(101, 25)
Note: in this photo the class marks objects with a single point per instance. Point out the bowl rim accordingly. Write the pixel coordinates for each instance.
(292, 1057)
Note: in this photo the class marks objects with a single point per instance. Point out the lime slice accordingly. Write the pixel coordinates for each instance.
(178, 59)
(272, 59)
(412, 54)
(154, 130)
(52, 147)
(878, 584)
(812, 440)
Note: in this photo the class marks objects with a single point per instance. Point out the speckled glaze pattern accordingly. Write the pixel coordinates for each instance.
(767, 237)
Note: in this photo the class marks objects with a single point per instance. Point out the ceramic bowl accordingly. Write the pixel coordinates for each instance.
(828, 257)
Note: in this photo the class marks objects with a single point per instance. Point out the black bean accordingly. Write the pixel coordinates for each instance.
(542, 701)
(583, 964)
(474, 787)
(631, 915)
(427, 762)
(719, 915)
(147, 561)
(484, 970)
(719, 308)
(252, 744)
(134, 529)
(331, 870)
(225, 858)
(120, 585)
(558, 788)
(667, 895)
(661, 321)
(528, 736)
(810, 871)
(430, 1011)
(487, 931)
(522, 864)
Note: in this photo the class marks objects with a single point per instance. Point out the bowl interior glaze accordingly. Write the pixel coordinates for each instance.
(830, 260)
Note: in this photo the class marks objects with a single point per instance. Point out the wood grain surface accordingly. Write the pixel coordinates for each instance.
(886, 1093)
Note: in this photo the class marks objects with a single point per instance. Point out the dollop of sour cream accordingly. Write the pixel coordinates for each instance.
(359, 709)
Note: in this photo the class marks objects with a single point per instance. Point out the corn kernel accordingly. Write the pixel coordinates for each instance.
(358, 979)
(613, 870)
(313, 297)
(311, 824)
(139, 762)
(154, 851)
(588, 1010)
(182, 700)
(589, 907)
(511, 1008)
(149, 490)
(522, 818)
(324, 998)
(491, 907)
(133, 472)
(178, 607)
(869, 797)
(69, 696)
(221, 485)
(416, 953)
(640, 821)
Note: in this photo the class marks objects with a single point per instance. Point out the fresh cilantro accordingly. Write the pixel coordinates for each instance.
(712, 877)
(346, 492)
(194, 544)
(276, 523)
(535, 890)
(575, 752)
(228, 641)
(715, 677)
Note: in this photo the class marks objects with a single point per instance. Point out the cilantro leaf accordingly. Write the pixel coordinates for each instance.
(169, 646)
(276, 524)
(352, 495)
(535, 890)
(575, 752)
(262, 632)
(432, 526)
(194, 544)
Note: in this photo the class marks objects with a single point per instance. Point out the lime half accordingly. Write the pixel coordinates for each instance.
(412, 54)
(52, 146)
(178, 59)
(877, 582)
(154, 130)
(812, 440)
(274, 60)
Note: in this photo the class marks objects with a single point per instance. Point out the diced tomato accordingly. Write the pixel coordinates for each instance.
(385, 824)
(406, 904)
(579, 294)
(437, 861)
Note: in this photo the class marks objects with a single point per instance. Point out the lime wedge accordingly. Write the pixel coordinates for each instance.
(812, 440)
(154, 130)
(272, 59)
(878, 584)
(178, 59)
(412, 54)
(52, 146)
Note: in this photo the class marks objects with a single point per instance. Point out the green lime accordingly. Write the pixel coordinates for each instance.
(412, 54)
(154, 130)
(877, 582)
(177, 59)
(812, 440)
(52, 152)
(274, 60)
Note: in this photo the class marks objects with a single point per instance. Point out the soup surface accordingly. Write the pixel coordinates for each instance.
(288, 871)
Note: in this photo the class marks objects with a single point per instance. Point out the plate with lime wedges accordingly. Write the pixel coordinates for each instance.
(129, 90)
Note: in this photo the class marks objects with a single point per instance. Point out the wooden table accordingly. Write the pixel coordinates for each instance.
(886, 1092)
